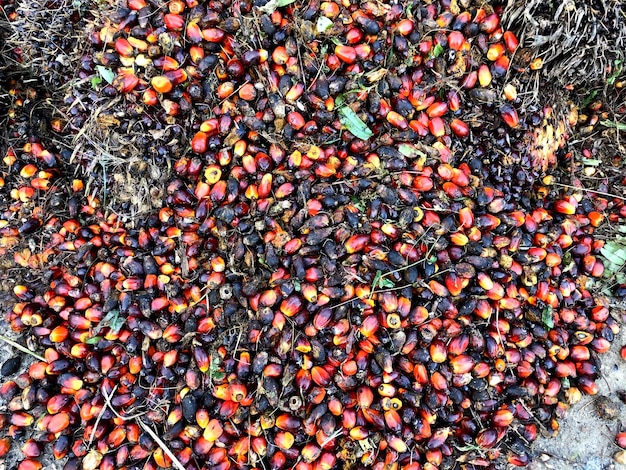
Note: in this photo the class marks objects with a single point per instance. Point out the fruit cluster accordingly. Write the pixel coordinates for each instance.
(357, 261)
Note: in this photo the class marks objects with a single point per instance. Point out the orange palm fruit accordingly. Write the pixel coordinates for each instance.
(161, 84)
(346, 53)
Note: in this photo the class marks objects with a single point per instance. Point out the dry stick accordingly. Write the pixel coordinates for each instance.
(161, 444)
(21, 348)
(95, 426)
(107, 402)
(601, 193)
(107, 399)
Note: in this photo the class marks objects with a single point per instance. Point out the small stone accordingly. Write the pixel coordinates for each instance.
(606, 408)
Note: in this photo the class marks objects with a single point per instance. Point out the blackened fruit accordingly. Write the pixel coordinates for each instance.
(11, 366)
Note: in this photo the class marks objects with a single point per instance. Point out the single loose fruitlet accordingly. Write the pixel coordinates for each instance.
(161, 84)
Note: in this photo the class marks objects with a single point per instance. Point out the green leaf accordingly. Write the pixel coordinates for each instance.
(214, 371)
(106, 73)
(468, 448)
(615, 254)
(358, 204)
(271, 6)
(547, 318)
(436, 51)
(377, 277)
(112, 320)
(410, 151)
(614, 75)
(93, 340)
(105, 321)
(568, 262)
(588, 99)
(380, 281)
(323, 24)
(354, 123)
(95, 81)
(592, 162)
(620, 126)
(117, 324)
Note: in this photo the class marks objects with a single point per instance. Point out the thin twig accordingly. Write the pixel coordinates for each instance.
(601, 193)
(107, 402)
(95, 426)
(161, 444)
(21, 348)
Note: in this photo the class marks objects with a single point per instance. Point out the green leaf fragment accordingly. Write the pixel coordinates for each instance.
(354, 124)
(620, 126)
(271, 6)
(437, 50)
(410, 151)
(214, 370)
(614, 75)
(323, 24)
(547, 317)
(592, 162)
(612, 249)
(376, 279)
(358, 204)
(93, 340)
(588, 99)
(381, 282)
(614, 253)
(117, 324)
(106, 73)
(113, 320)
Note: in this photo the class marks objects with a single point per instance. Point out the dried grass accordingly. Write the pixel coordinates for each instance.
(50, 39)
(109, 150)
(120, 173)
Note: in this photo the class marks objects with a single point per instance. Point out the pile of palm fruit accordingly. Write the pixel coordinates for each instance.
(361, 259)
